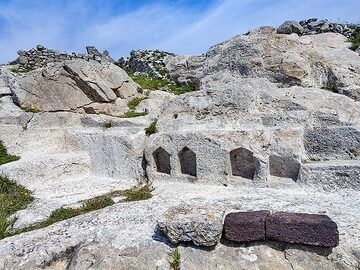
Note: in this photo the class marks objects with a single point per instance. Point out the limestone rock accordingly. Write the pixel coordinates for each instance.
(73, 84)
(320, 61)
(245, 226)
(310, 229)
(200, 225)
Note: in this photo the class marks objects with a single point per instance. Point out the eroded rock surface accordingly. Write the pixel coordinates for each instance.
(321, 61)
(71, 85)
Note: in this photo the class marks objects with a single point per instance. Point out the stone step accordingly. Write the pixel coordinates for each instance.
(332, 174)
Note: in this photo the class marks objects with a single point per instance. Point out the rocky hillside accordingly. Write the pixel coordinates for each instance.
(135, 163)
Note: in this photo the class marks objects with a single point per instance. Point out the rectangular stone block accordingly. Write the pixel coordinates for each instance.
(245, 226)
(300, 228)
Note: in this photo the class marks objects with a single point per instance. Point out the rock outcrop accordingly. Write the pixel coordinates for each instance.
(315, 26)
(72, 85)
(321, 61)
(151, 62)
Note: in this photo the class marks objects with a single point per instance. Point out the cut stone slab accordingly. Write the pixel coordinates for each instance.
(300, 228)
(186, 223)
(245, 226)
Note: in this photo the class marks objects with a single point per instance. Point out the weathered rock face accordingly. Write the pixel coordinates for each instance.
(248, 131)
(290, 27)
(322, 61)
(73, 84)
(200, 225)
(317, 230)
(151, 62)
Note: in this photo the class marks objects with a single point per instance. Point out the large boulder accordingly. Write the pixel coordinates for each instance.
(71, 85)
(321, 61)
(200, 225)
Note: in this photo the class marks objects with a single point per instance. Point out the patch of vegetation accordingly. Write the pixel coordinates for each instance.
(148, 82)
(64, 213)
(32, 108)
(13, 197)
(355, 37)
(131, 114)
(107, 124)
(132, 104)
(175, 259)
(17, 69)
(151, 129)
(4, 156)
(138, 193)
(331, 86)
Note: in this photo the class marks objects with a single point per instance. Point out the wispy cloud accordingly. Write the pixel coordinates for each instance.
(178, 26)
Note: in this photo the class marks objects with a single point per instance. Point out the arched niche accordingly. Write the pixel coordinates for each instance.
(242, 163)
(162, 160)
(188, 161)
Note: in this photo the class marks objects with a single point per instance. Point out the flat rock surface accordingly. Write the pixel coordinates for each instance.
(125, 235)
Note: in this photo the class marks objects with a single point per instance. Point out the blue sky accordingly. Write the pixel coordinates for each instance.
(180, 26)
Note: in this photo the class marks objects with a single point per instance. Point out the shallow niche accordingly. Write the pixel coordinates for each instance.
(242, 163)
(162, 160)
(188, 161)
(284, 166)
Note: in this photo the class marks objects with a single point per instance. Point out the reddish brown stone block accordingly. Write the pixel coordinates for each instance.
(300, 228)
(245, 226)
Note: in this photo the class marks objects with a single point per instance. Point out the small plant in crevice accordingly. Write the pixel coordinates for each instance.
(175, 259)
(18, 69)
(151, 129)
(355, 37)
(107, 125)
(32, 108)
(13, 197)
(331, 86)
(133, 103)
(64, 213)
(4, 156)
(132, 114)
(138, 193)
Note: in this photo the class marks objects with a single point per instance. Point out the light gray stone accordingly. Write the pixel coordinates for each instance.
(200, 225)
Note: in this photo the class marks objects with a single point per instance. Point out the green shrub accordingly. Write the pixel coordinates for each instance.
(132, 104)
(131, 114)
(151, 129)
(17, 69)
(355, 38)
(107, 125)
(331, 86)
(175, 259)
(149, 82)
(13, 197)
(32, 108)
(138, 193)
(97, 203)
(64, 213)
(4, 157)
